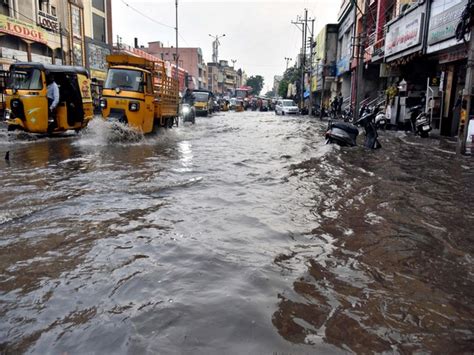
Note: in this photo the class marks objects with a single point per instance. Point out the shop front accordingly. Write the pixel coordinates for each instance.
(450, 57)
(405, 63)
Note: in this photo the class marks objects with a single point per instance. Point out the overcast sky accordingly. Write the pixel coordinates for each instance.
(259, 33)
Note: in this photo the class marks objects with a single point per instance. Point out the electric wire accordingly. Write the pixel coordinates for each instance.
(153, 20)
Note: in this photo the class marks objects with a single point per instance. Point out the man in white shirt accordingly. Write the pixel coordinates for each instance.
(53, 99)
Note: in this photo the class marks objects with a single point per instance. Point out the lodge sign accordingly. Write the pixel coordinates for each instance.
(21, 29)
(48, 21)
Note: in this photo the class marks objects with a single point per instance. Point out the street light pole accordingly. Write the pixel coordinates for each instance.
(235, 76)
(215, 56)
(215, 47)
(177, 64)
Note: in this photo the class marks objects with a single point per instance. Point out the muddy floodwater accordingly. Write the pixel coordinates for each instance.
(242, 234)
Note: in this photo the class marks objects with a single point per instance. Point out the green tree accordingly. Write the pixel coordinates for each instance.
(292, 74)
(270, 93)
(283, 88)
(256, 82)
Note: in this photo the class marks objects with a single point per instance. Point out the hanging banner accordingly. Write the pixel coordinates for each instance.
(22, 29)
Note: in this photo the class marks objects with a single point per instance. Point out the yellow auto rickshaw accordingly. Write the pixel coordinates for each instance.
(224, 105)
(202, 102)
(27, 104)
(239, 106)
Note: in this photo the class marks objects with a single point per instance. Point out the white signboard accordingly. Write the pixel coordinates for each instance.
(14, 54)
(41, 59)
(48, 21)
(404, 33)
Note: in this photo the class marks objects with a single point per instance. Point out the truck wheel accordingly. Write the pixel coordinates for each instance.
(12, 128)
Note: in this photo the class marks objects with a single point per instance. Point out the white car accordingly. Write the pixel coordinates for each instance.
(286, 107)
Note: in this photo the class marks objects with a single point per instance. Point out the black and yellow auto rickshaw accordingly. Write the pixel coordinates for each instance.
(27, 106)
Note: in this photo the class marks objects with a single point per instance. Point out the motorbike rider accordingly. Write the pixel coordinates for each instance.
(189, 97)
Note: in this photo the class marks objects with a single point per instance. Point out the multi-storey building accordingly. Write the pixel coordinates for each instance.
(324, 64)
(224, 79)
(404, 41)
(72, 32)
(190, 59)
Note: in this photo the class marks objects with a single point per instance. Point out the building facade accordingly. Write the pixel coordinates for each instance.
(190, 59)
(324, 65)
(404, 41)
(344, 56)
(223, 79)
(70, 32)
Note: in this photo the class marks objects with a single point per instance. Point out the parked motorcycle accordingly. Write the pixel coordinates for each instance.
(368, 122)
(345, 134)
(420, 121)
(342, 133)
(381, 120)
(188, 113)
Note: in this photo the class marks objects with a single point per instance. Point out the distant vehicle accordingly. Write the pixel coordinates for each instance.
(232, 103)
(203, 102)
(243, 94)
(286, 107)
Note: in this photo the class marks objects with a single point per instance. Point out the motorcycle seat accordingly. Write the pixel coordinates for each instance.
(349, 128)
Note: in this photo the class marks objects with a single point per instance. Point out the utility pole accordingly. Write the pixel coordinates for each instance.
(304, 30)
(311, 45)
(359, 87)
(235, 76)
(287, 60)
(304, 57)
(467, 98)
(177, 64)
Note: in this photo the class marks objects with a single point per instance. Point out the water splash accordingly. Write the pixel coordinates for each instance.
(102, 133)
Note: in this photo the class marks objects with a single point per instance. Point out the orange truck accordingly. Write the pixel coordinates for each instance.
(140, 93)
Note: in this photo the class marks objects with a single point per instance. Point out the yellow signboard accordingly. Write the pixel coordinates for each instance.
(22, 29)
(314, 84)
(101, 75)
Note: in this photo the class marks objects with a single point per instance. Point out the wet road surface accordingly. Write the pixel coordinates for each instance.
(243, 234)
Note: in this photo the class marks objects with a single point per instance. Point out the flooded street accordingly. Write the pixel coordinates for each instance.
(243, 234)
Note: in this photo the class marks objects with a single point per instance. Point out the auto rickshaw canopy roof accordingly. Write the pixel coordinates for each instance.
(50, 68)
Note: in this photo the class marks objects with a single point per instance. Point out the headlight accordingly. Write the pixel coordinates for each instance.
(7, 115)
(103, 103)
(134, 106)
(186, 109)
